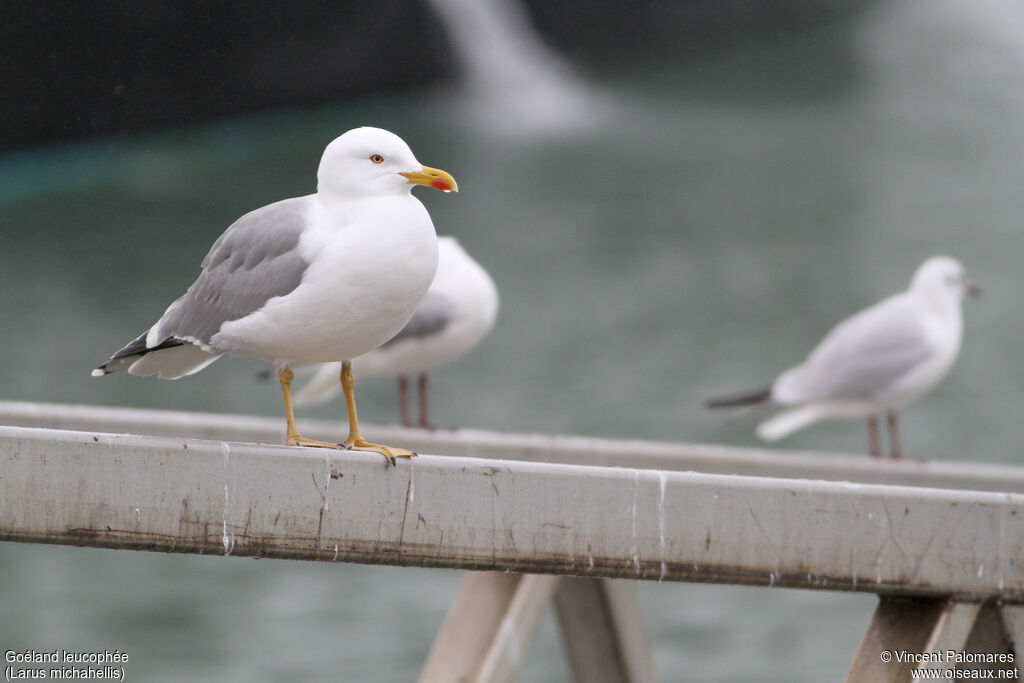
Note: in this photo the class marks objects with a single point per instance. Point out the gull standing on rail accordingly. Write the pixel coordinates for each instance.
(325, 277)
(874, 362)
(458, 311)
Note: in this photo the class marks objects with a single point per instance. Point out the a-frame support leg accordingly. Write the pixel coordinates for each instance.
(603, 630)
(489, 627)
(493, 619)
(934, 633)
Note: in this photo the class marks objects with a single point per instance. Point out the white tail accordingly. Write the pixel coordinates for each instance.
(789, 421)
(173, 362)
(322, 387)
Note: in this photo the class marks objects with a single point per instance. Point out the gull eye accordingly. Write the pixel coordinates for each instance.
(376, 158)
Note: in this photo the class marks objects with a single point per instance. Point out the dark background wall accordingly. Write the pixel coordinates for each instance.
(74, 69)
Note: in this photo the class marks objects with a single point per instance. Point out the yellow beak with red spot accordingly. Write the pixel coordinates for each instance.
(433, 177)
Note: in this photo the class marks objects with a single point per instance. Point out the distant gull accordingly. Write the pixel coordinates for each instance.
(458, 311)
(325, 277)
(874, 362)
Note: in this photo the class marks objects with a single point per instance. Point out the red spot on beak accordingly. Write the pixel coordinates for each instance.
(442, 185)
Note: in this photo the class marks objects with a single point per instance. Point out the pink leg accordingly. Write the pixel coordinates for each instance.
(424, 408)
(403, 400)
(895, 448)
(873, 445)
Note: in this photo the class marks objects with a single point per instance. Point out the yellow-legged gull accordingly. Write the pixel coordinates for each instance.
(325, 277)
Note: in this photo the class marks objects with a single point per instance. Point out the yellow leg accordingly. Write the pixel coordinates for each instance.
(355, 440)
(285, 376)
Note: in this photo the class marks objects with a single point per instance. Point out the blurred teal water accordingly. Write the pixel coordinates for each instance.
(725, 213)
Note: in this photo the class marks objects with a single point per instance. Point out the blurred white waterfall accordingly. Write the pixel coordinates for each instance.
(514, 84)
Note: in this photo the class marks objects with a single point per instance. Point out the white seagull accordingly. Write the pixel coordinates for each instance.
(874, 362)
(325, 277)
(458, 311)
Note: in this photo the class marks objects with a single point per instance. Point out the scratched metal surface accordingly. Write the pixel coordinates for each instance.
(572, 450)
(184, 495)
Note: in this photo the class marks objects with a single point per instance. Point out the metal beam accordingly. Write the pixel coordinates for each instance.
(505, 655)
(989, 637)
(899, 626)
(572, 450)
(604, 631)
(187, 495)
(951, 630)
(1013, 626)
(469, 629)
(488, 628)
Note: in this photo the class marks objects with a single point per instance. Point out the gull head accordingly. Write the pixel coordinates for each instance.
(372, 162)
(942, 281)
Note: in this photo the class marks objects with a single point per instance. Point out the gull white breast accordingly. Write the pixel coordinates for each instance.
(457, 313)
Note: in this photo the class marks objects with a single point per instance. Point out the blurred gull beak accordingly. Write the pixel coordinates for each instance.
(971, 289)
(433, 177)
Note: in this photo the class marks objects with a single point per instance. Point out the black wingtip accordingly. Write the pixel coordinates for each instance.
(135, 349)
(747, 398)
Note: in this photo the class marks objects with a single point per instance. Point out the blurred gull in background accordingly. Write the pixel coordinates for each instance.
(874, 362)
(456, 314)
(317, 278)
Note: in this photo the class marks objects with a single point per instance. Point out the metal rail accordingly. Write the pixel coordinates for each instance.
(947, 562)
(571, 450)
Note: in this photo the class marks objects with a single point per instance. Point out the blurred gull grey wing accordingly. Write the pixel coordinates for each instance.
(434, 313)
(864, 355)
(255, 260)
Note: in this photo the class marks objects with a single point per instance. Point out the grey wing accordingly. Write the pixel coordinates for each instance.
(864, 355)
(434, 313)
(256, 259)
